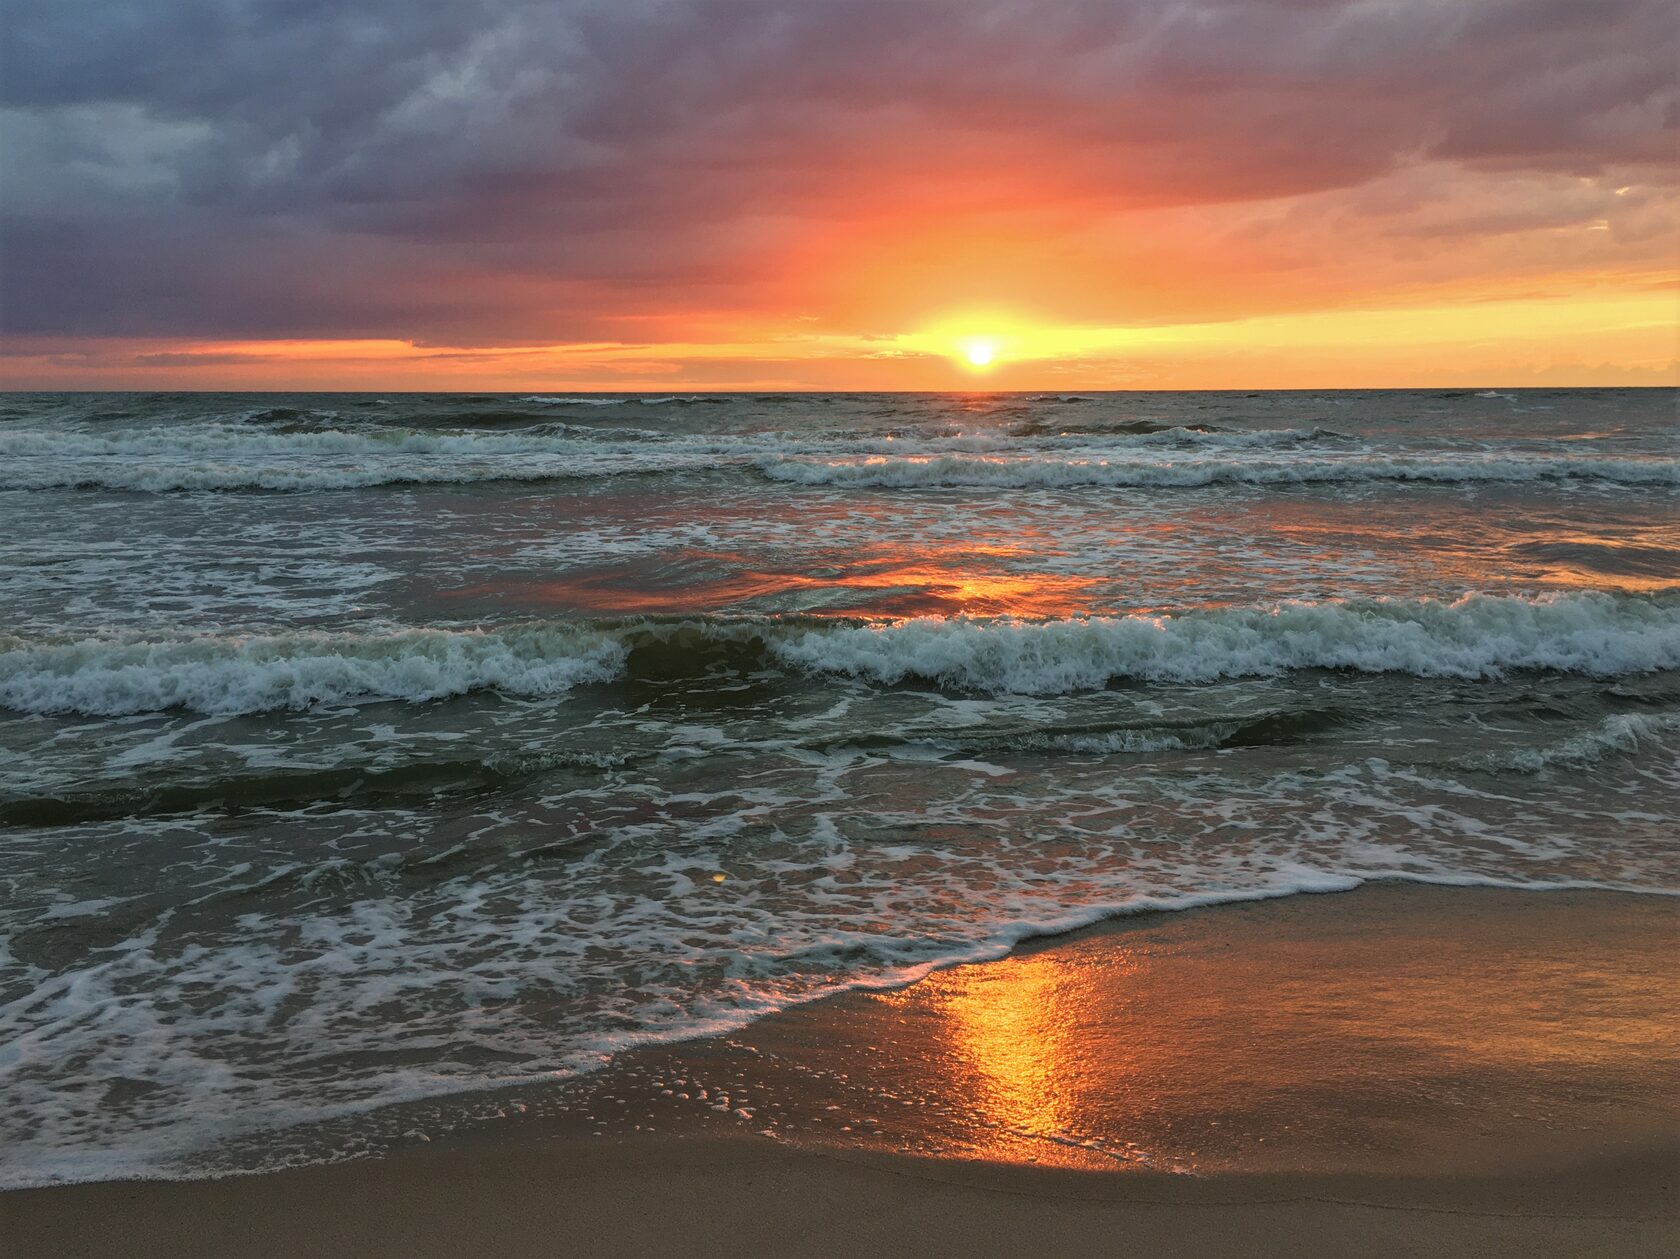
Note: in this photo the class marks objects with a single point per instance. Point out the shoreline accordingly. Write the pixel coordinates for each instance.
(1402, 1068)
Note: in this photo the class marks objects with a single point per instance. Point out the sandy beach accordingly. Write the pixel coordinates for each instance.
(1397, 1070)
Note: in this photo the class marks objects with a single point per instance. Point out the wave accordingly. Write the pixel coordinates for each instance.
(279, 416)
(1478, 636)
(1621, 735)
(550, 400)
(156, 479)
(1060, 471)
(1153, 433)
(224, 441)
(1272, 729)
(637, 401)
(422, 781)
(225, 676)
(223, 457)
(220, 457)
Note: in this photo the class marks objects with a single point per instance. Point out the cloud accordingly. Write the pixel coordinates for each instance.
(501, 170)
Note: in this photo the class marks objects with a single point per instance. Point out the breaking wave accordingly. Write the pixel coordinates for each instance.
(1476, 636)
(1137, 453)
(1053, 471)
(679, 400)
(226, 441)
(1147, 433)
(222, 457)
(551, 400)
(164, 478)
(226, 675)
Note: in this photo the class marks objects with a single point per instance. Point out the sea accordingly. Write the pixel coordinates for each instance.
(360, 750)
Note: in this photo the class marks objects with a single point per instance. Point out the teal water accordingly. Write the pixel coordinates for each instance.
(366, 748)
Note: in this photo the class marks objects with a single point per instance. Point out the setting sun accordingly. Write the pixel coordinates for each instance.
(979, 352)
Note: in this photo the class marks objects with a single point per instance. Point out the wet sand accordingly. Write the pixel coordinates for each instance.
(1393, 1071)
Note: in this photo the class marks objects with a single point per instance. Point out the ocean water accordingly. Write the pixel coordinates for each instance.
(358, 749)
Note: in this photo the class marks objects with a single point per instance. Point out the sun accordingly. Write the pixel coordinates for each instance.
(979, 351)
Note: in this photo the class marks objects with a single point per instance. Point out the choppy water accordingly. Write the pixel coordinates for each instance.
(357, 748)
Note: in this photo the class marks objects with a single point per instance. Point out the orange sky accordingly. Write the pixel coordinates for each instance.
(1607, 338)
(1209, 194)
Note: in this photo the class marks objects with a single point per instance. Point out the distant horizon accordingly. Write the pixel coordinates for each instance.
(528, 392)
(285, 367)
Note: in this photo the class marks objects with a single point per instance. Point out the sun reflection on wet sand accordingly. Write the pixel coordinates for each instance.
(1321, 1042)
(1030, 1037)
(1017, 1039)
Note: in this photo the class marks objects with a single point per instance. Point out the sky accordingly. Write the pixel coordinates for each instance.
(838, 194)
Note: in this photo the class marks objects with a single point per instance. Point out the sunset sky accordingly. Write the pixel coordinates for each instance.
(856, 194)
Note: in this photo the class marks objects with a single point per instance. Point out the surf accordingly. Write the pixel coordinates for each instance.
(1475, 636)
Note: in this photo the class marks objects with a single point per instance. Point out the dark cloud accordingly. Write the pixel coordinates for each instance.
(474, 170)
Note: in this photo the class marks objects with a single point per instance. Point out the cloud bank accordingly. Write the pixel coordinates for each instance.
(502, 172)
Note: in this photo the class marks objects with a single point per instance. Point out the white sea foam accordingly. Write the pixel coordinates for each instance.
(383, 950)
(232, 456)
(1055, 471)
(245, 675)
(222, 459)
(230, 441)
(227, 442)
(552, 400)
(1477, 636)
(594, 401)
(165, 477)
